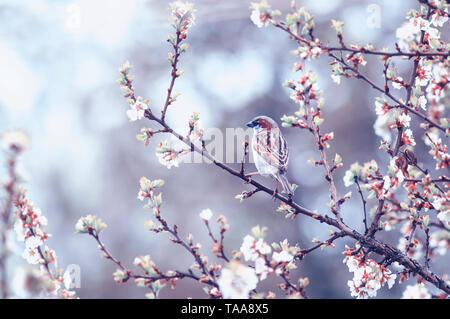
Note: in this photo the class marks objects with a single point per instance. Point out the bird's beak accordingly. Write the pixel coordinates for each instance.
(250, 124)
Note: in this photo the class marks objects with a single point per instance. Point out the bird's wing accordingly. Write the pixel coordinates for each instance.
(272, 147)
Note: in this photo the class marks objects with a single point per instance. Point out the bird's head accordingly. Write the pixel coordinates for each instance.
(262, 122)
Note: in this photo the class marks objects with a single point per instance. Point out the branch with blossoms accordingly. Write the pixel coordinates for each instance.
(212, 276)
(27, 222)
(426, 39)
(235, 281)
(14, 143)
(425, 205)
(153, 278)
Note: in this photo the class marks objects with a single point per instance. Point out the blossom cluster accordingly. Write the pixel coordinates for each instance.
(418, 291)
(426, 201)
(409, 33)
(195, 132)
(137, 105)
(182, 16)
(167, 155)
(40, 277)
(237, 281)
(265, 259)
(89, 224)
(262, 13)
(29, 227)
(368, 275)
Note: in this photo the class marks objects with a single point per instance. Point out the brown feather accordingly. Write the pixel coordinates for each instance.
(273, 148)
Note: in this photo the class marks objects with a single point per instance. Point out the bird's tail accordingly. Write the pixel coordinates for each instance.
(285, 183)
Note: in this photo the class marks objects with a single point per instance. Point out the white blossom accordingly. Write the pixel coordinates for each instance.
(182, 15)
(440, 242)
(168, 161)
(32, 256)
(408, 137)
(261, 268)
(379, 107)
(336, 78)
(381, 127)
(415, 252)
(33, 242)
(206, 214)
(444, 216)
(252, 248)
(136, 111)
(248, 249)
(316, 51)
(438, 20)
(259, 13)
(406, 33)
(262, 247)
(418, 291)
(425, 72)
(282, 256)
(349, 178)
(404, 119)
(236, 281)
(256, 18)
(398, 83)
(439, 202)
(368, 277)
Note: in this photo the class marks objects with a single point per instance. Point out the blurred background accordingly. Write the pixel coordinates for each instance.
(59, 62)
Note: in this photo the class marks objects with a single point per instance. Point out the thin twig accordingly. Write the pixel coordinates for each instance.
(364, 205)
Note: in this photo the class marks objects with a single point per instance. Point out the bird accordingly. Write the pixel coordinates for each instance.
(270, 151)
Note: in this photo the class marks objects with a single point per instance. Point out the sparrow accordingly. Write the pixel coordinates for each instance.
(270, 151)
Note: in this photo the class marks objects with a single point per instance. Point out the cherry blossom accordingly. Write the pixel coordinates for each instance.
(167, 155)
(408, 137)
(29, 227)
(368, 276)
(424, 73)
(438, 19)
(282, 256)
(253, 248)
(348, 178)
(261, 268)
(440, 242)
(404, 120)
(260, 15)
(206, 214)
(418, 291)
(137, 111)
(444, 217)
(236, 281)
(182, 15)
(407, 33)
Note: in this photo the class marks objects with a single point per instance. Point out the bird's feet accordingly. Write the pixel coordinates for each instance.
(275, 192)
(274, 195)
